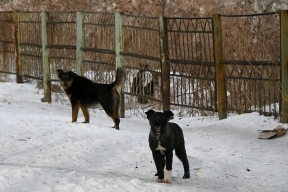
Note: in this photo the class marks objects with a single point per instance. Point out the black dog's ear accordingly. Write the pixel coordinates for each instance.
(59, 72)
(169, 114)
(149, 113)
(72, 74)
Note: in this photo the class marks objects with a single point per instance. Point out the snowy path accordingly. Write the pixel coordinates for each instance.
(42, 151)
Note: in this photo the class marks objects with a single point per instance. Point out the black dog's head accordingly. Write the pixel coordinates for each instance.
(158, 120)
(66, 78)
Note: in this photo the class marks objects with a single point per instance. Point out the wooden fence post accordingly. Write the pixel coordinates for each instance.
(220, 68)
(79, 43)
(119, 47)
(45, 57)
(165, 65)
(17, 48)
(284, 65)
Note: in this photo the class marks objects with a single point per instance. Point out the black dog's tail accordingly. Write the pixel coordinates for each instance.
(119, 77)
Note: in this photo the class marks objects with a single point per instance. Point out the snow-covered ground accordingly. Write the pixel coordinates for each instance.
(42, 151)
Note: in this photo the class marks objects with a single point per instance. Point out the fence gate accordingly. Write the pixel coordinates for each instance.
(251, 58)
(192, 70)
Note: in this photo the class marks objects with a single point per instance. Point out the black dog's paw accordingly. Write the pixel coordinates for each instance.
(186, 175)
(163, 181)
(160, 180)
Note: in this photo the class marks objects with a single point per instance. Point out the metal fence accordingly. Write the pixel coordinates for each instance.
(183, 64)
(99, 46)
(191, 56)
(61, 40)
(253, 67)
(29, 38)
(142, 62)
(7, 44)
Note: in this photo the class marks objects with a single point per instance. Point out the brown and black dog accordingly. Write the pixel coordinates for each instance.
(83, 93)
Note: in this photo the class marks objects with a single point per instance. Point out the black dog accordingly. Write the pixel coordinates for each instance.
(84, 93)
(164, 137)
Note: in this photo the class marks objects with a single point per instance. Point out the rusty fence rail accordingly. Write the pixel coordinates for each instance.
(196, 66)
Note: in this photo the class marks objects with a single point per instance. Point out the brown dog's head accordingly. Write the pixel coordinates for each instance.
(158, 120)
(66, 78)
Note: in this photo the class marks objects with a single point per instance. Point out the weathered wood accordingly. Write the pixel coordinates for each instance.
(46, 64)
(165, 65)
(284, 65)
(119, 47)
(17, 48)
(220, 68)
(80, 43)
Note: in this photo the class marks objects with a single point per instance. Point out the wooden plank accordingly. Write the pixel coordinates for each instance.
(284, 66)
(79, 43)
(46, 64)
(17, 48)
(220, 68)
(165, 65)
(119, 47)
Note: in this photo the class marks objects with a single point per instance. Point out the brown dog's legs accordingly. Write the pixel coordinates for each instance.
(117, 122)
(115, 118)
(85, 113)
(111, 109)
(75, 110)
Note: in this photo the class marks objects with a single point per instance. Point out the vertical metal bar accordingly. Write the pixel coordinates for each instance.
(165, 65)
(204, 56)
(173, 53)
(192, 52)
(255, 95)
(79, 43)
(245, 85)
(209, 46)
(17, 47)
(220, 68)
(284, 65)
(119, 47)
(269, 96)
(45, 57)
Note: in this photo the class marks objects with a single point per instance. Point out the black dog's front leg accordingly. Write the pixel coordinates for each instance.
(169, 161)
(163, 162)
(158, 159)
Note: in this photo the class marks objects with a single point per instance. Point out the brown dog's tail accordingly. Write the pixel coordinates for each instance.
(119, 77)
